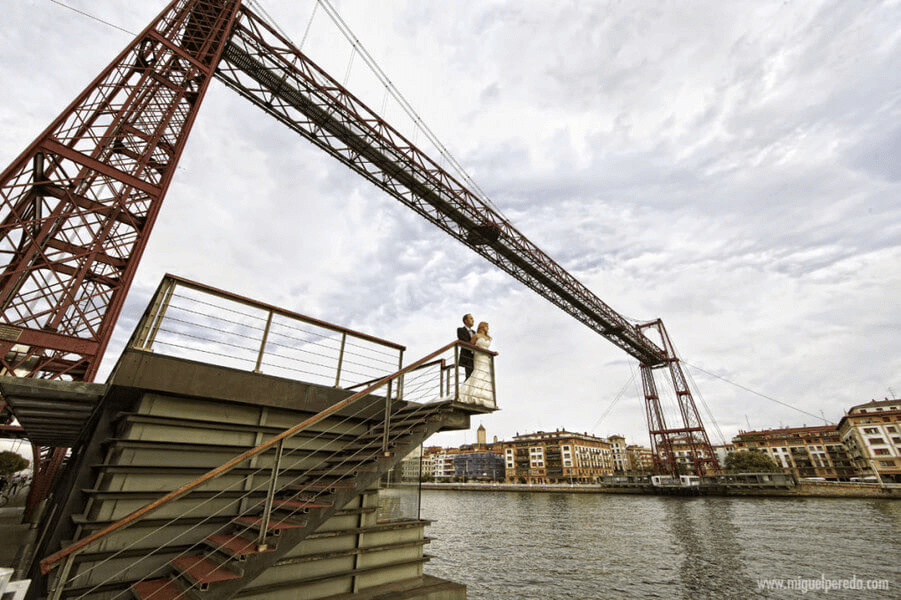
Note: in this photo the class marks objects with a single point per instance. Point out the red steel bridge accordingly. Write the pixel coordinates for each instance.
(77, 206)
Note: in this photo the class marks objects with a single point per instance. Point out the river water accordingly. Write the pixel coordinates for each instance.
(518, 545)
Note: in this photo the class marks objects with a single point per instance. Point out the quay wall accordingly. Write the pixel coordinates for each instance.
(807, 489)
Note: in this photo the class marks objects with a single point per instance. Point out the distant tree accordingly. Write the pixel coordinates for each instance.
(752, 461)
(10, 463)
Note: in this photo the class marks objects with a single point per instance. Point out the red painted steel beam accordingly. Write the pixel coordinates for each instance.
(267, 69)
(77, 206)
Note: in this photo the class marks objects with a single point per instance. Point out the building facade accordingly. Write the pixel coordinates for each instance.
(641, 459)
(557, 457)
(619, 454)
(805, 452)
(872, 434)
(479, 466)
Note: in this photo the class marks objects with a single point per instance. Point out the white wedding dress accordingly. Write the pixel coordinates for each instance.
(478, 389)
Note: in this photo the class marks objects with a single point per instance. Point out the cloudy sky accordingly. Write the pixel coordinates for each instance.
(733, 168)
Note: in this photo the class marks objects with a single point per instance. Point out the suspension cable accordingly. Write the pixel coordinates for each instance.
(756, 393)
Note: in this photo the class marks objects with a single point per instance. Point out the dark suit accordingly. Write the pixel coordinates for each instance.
(466, 358)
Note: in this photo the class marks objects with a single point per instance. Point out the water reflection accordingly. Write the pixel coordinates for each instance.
(705, 533)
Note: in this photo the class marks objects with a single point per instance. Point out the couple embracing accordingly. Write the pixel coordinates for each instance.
(477, 388)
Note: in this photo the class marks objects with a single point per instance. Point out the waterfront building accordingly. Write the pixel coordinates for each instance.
(479, 466)
(682, 449)
(443, 465)
(722, 451)
(426, 466)
(641, 459)
(619, 454)
(411, 466)
(557, 457)
(802, 451)
(872, 434)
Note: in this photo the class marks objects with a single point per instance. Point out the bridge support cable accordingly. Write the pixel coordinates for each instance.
(267, 69)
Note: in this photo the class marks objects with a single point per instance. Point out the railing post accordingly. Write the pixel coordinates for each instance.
(493, 380)
(263, 343)
(456, 372)
(400, 382)
(340, 360)
(155, 316)
(387, 420)
(270, 496)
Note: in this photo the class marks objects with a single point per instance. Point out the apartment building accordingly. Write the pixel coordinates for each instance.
(802, 451)
(479, 466)
(620, 457)
(641, 459)
(872, 434)
(557, 457)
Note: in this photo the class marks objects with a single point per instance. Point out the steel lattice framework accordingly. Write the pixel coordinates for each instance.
(78, 205)
(691, 436)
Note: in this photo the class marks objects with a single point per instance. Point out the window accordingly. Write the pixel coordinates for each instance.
(876, 441)
(870, 430)
(887, 463)
(891, 429)
(880, 452)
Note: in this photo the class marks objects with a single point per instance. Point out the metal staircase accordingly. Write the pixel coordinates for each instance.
(205, 481)
(226, 562)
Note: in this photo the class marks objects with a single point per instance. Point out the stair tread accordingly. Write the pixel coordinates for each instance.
(203, 569)
(322, 486)
(273, 524)
(342, 471)
(236, 544)
(300, 504)
(158, 589)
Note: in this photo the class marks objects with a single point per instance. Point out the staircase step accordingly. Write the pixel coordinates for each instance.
(315, 487)
(343, 471)
(275, 525)
(235, 545)
(354, 457)
(302, 504)
(392, 433)
(158, 589)
(203, 570)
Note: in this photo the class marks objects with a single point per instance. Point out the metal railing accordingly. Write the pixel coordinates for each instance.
(194, 321)
(410, 394)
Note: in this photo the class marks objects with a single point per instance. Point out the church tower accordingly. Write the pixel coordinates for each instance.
(480, 435)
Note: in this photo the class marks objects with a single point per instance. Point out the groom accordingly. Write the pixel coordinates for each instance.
(464, 334)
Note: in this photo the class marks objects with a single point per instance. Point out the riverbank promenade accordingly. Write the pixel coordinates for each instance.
(806, 489)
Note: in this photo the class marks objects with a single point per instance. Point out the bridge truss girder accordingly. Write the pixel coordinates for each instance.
(264, 67)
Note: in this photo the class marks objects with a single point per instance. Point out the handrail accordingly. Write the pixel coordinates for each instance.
(196, 321)
(442, 362)
(50, 562)
(281, 311)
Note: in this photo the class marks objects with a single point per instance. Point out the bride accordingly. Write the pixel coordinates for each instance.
(477, 389)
